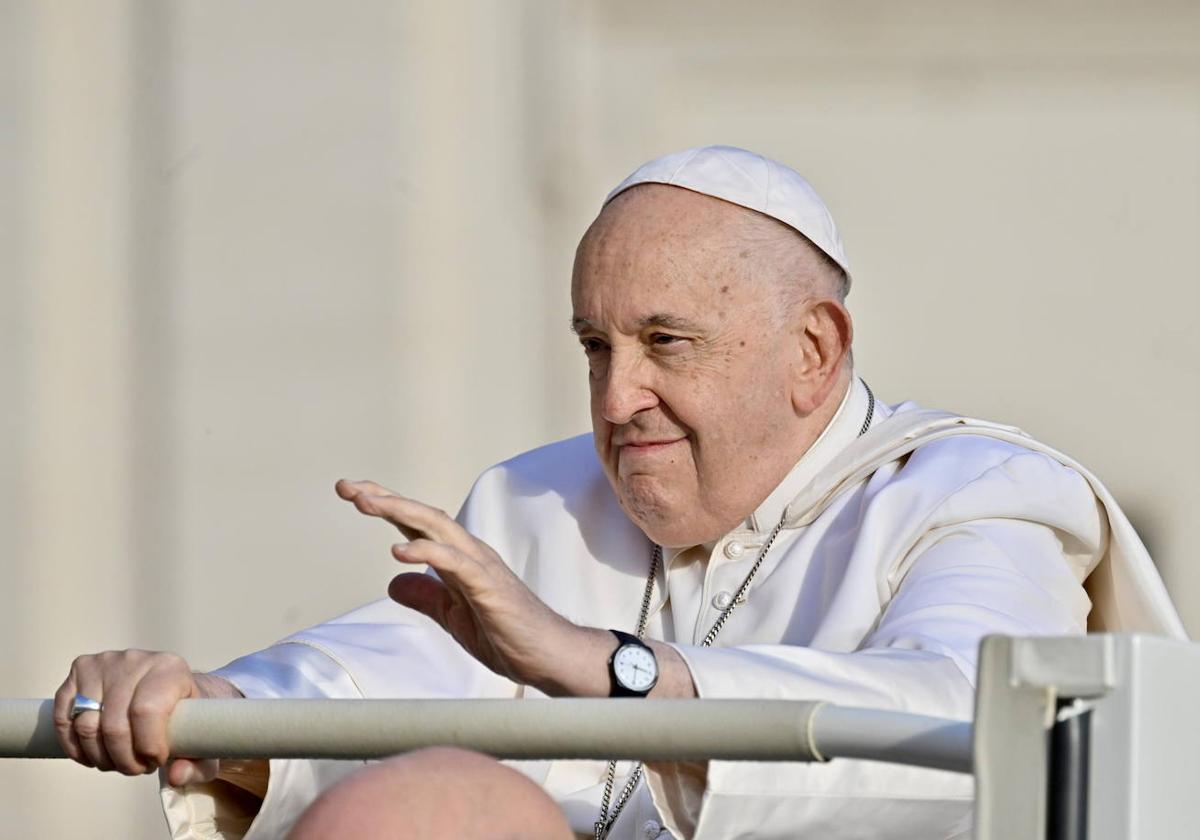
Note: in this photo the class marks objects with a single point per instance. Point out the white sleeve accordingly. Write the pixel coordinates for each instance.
(221, 811)
(962, 582)
(380, 650)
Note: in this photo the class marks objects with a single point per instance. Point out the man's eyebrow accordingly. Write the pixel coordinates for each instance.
(670, 322)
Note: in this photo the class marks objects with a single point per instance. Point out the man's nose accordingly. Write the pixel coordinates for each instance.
(626, 389)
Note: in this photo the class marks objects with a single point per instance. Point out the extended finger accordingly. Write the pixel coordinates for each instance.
(458, 570)
(415, 519)
(359, 493)
(348, 489)
(64, 699)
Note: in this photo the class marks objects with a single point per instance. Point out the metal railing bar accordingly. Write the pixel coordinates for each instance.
(894, 737)
(651, 730)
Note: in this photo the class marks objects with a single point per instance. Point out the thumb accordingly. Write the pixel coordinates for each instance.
(423, 593)
(188, 771)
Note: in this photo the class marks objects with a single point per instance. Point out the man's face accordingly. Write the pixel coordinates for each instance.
(691, 363)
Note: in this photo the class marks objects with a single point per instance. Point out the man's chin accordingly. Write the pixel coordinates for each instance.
(669, 525)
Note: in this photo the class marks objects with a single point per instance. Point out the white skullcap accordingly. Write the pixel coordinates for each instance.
(749, 180)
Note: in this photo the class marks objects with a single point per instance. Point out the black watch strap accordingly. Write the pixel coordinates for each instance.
(628, 639)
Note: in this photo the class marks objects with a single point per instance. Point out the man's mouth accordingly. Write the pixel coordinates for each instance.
(647, 447)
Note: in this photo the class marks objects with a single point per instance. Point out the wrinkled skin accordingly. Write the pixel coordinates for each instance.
(704, 393)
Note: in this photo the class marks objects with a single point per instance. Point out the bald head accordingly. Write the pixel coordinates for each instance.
(730, 237)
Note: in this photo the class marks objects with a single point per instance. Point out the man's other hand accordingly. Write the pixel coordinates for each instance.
(478, 600)
(138, 690)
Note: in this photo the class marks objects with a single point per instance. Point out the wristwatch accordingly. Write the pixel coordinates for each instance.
(632, 668)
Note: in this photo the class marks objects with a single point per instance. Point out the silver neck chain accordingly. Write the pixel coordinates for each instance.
(606, 820)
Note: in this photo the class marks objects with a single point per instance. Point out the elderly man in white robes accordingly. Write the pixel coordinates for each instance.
(745, 520)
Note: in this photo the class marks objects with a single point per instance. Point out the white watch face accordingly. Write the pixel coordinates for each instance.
(635, 667)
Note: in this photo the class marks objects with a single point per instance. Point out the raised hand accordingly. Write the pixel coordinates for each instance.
(479, 601)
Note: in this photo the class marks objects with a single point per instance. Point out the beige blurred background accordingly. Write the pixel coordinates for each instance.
(249, 247)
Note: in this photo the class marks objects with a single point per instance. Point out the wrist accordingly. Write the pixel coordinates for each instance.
(579, 666)
(212, 687)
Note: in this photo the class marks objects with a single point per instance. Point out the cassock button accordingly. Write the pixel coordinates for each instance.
(722, 600)
(734, 550)
(651, 829)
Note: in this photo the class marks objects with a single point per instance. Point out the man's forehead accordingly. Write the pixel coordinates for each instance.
(657, 227)
(670, 290)
(653, 248)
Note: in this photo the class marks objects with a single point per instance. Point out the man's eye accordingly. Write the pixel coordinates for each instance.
(665, 340)
(592, 345)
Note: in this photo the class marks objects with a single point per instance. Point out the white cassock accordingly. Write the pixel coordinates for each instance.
(901, 549)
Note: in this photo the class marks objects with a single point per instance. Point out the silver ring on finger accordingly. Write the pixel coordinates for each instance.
(82, 703)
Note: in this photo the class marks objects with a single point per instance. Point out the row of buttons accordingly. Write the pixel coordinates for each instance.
(733, 550)
(652, 829)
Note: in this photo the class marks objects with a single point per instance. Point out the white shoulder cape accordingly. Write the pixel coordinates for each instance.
(1127, 593)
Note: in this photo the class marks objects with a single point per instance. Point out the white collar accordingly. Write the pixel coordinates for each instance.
(842, 430)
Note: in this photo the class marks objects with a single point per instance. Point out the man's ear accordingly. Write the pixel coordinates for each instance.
(824, 333)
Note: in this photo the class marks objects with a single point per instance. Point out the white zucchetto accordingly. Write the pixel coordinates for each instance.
(749, 180)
